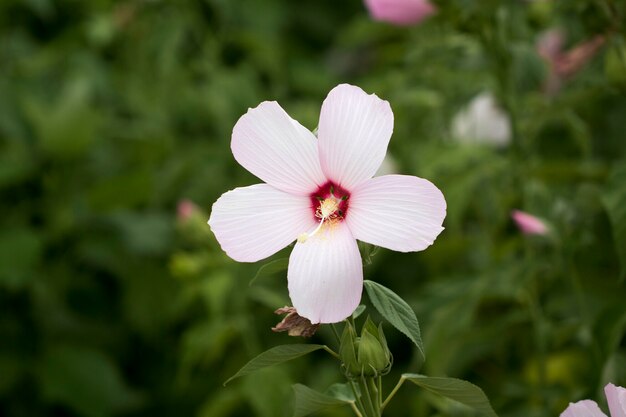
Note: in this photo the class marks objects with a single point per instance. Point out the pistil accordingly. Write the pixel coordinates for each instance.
(325, 212)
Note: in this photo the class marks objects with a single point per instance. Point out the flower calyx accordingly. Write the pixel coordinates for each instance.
(366, 354)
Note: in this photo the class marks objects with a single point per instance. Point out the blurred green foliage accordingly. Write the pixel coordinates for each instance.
(111, 112)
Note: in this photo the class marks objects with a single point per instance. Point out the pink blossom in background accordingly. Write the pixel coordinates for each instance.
(529, 224)
(400, 12)
(185, 209)
(564, 64)
(615, 396)
(320, 191)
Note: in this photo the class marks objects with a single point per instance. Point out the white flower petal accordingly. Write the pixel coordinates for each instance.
(354, 131)
(277, 149)
(398, 212)
(584, 408)
(252, 223)
(326, 275)
(616, 397)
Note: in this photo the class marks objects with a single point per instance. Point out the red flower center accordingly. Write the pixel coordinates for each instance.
(330, 203)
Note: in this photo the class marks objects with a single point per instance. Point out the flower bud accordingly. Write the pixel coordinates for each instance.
(374, 356)
(348, 351)
(365, 355)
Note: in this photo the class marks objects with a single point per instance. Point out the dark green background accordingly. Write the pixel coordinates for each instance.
(111, 112)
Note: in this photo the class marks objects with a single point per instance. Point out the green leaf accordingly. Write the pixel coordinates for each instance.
(274, 356)
(85, 380)
(271, 268)
(359, 310)
(310, 401)
(614, 199)
(342, 392)
(367, 252)
(455, 389)
(20, 253)
(396, 311)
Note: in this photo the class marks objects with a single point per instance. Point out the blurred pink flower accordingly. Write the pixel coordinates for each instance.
(615, 396)
(185, 209)
(529, 224)
(320, 191)
(400, 12)
(565, 64)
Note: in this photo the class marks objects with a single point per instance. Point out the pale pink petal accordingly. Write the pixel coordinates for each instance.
(277, 149)
(354, 131)
(616, 397)
(398, 212)
(186, 208)
(584, 408)
(252, 223)
(529, 224)
(400, 12)
(326, 275)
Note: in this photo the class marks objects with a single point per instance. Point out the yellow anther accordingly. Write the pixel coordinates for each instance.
(327, 208)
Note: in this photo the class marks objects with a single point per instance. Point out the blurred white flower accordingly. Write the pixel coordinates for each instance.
(482, 121)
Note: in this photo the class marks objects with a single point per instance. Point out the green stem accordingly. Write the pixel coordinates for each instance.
(332, 326)
(332, 352)
(364, 388)
(540, 345)
(374, 390)
(356, 409)
(392, 393)
(356, 395)
(380, 392)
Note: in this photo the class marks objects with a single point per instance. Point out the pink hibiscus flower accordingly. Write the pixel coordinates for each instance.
(320, 192)
(400, 12)
(529, 224)
(615, 396)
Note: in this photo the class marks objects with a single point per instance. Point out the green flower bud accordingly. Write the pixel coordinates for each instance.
(366, 355)
(348, 351)
(373, 355)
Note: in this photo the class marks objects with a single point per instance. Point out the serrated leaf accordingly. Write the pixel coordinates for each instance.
(614, 199)
(455, 389)
(274, 356)
(396, 311)
(309, 401)
(271, 268)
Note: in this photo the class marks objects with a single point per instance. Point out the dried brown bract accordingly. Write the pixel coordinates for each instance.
(294, 324)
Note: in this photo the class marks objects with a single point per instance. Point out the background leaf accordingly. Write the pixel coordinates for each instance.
(271, 268)
(308, 401)
(614, 199)
(455, 389)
